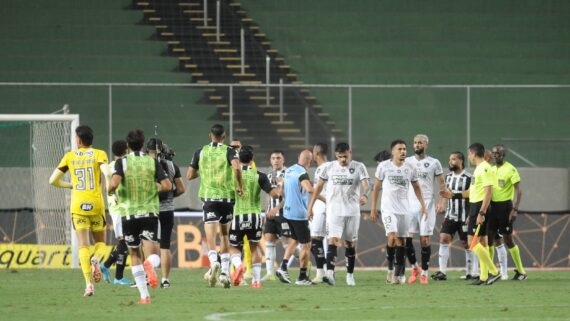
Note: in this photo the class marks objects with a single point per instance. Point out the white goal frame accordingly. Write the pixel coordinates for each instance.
(74, 119)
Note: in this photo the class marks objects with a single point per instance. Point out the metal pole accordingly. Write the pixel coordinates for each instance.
(218, 21)
(267, 66)
(242, 40)
(231, 113)
(349, 116)
(468, 112)
(333, 144)
(110, 119)
(280, 99)
(306, 126)
(205, 13)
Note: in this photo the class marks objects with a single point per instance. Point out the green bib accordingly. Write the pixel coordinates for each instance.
(216, 176)
(139, 195)
(250, 201)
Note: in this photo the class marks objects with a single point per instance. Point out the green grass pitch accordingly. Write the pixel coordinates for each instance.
(57, 295)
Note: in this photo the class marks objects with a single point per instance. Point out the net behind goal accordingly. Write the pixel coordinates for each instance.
(50, 137)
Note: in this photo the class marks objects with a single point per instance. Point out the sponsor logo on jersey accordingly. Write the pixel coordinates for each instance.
(87, 207)
(398, 180)
(87, 153)
(422, 175)
(342, 180)
(501, 183)
(245, 225)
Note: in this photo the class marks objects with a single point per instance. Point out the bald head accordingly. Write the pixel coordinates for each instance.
(305, 158)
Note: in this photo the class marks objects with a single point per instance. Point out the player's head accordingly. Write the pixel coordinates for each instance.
(277, 159)
(320, 150)
(135, 140)
(305, 158)
(84, 136)
(476, 151)
(217, 133)
(153, 145)
(456, 161)
(235, 144)
(499, 152)
(382, 156)
(246, 154)
(421, 142)
(343, 153)
(119, 148)
(398, 149)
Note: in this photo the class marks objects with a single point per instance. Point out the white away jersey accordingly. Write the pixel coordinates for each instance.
(425, 170)
(320, 205)
(343, 187)
(395, 185)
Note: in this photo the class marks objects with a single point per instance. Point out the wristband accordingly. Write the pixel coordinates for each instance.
(482, 213)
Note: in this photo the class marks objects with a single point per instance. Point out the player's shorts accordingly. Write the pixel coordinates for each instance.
(166, 219)
(245, 225)
(449, 226)
(140, 227)
(396, 223)
(95, 223)
(343, 227)
(218, 212)
(300, 231)
(499, 220)
(318, 224)
(474, 209)
(117, 225)
(277, 226)
(417, 223)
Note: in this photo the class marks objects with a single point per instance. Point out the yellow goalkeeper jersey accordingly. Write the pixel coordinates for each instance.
(83, 165)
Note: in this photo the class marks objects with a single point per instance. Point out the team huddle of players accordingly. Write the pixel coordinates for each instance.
(317, 216)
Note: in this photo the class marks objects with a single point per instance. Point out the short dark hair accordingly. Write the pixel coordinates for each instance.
(382, 156)
(85, 133)
(217, 130)
(154, 144)
(277, 151)
(460, 156)
(478, 149)
(397, 142)
(342, 148)
(246, 154)
(323, 148)
(119, 148)
(135, 139)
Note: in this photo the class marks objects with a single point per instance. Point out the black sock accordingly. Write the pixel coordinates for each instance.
(331, 257)
(390, 253)
(112, 257)
(410, 251)
(303, 274)
(426, 253)
(400, 260)
(123, 252)
(318, 252)
(350, 254)
(284, 264)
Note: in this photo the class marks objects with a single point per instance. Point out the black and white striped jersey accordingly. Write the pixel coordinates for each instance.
(457, 209)
(280, 173)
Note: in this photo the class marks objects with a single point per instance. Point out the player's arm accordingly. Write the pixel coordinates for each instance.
(374, 200)
(117, 177)
(106, 173)
(55, 179)
(265, 185)
(441, 205)
(314, 195)
(488, 190)
(419, 195)
(164, 184)
(273, 211)
(365, 188)
(178, 182)
(194, 166)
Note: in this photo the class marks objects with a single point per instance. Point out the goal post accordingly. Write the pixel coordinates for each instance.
(51, 136)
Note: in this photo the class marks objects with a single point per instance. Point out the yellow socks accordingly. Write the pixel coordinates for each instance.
(247, 255)
(516, 255)
(485, 262)
(492, 252)
(85, 261)
(99, 250)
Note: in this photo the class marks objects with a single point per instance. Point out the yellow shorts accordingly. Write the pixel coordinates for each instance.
(95, 223)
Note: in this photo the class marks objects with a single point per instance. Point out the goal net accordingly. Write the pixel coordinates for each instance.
(40, 143)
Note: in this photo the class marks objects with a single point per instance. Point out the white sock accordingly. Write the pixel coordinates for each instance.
(468, 262)
(164, 279)
(256, 272)
(225, 263)
(475, 266)
(140, 279)
(236, 260)
(501, 251)
(291, 260)
(320, 273)
(213, 257)
(270, 255)
(424, 273)
(443, 257)
(154, 260)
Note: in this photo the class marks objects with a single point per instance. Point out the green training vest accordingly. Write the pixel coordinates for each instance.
(250, 202)
(216, 176)
(139, 195)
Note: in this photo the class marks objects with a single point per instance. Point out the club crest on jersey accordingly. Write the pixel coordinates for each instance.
(351, 170)
(86, 207)
(426, 165)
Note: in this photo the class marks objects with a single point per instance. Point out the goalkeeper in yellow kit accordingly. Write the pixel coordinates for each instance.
(85, 166)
